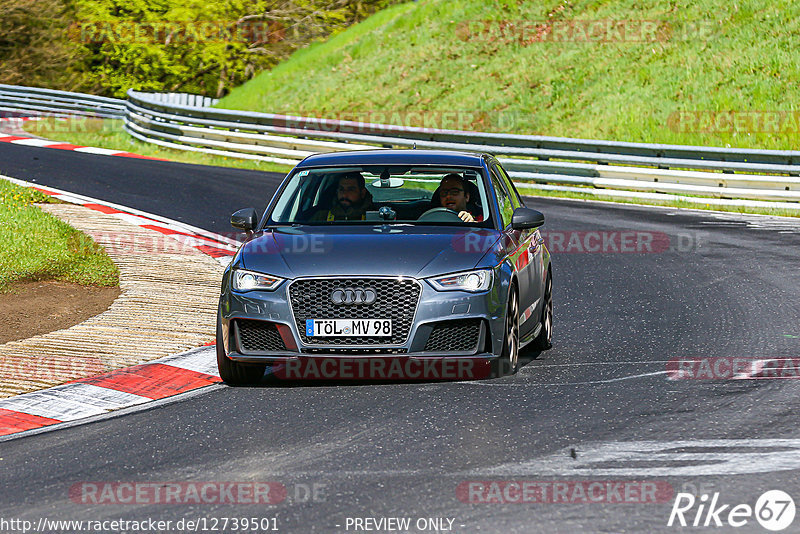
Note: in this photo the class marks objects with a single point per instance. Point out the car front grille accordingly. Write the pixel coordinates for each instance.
(450, 336)
(396, 299)
(259, 336)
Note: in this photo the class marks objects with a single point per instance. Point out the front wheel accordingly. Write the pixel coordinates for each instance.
(544, 340)
(235, 373)
(509, 360)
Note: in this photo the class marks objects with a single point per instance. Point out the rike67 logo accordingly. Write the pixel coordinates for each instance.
(774, 510)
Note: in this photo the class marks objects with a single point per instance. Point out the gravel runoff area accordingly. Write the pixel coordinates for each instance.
(168, 301)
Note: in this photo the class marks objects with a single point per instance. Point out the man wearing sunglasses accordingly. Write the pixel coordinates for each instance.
(454, 194)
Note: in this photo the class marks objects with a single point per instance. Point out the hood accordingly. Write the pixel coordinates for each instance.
(416, 251)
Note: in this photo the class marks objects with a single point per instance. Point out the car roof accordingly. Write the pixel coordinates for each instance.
(393, 157)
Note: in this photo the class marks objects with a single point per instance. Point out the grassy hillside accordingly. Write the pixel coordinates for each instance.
(537, 73)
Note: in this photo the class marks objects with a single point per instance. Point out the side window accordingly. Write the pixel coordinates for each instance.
(503, 200)
(516, 201)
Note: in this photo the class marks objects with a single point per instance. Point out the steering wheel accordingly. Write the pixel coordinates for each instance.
(440, 215)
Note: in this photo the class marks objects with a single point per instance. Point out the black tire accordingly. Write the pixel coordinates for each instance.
(544, 340)
(509, 360)
(234, 373)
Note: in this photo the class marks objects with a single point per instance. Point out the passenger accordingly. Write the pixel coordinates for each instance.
(351, 203)
(454, 194)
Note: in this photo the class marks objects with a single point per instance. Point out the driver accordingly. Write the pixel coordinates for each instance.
(454, 195)
(351, 203)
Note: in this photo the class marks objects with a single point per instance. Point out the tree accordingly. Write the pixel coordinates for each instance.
(34, 49)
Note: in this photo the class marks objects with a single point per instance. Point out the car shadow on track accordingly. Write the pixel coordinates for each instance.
(365, 372)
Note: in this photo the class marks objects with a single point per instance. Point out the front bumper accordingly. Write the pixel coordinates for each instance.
(433, 307)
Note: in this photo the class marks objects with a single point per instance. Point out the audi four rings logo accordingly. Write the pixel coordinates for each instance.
(358, 295)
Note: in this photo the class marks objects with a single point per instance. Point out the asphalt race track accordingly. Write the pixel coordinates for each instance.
(599, 407)
(194, 194)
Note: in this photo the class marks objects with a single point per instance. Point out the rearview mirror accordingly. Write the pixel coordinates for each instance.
(245, 219)
(524, 218)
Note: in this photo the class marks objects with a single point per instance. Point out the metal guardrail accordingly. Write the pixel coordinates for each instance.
(608, 152)
(666, 169)
(33, 101)
(188, 122)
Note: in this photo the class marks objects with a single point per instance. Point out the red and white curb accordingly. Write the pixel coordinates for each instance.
(118, 389)
(130, 386)
(218, 246)
(17, 136)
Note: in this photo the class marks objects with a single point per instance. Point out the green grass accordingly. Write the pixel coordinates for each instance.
(37, 246)
(108, 133)
(430, 57)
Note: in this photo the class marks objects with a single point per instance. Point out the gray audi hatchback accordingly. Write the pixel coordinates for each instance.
(413, 259)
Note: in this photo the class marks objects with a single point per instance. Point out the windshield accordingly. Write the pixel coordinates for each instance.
(384, 194)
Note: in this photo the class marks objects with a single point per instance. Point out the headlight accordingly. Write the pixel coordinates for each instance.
(249, 281)
(473, 281)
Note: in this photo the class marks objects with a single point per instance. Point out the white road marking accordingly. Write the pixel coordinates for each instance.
(68, 198)
(49, 403)
(71, 401)
(757, 368)
(584, 364)
(101, 151)
(180, 397)
(35, 142)
(203, 360)
(661, 458)
(529, 384)
(101, 397)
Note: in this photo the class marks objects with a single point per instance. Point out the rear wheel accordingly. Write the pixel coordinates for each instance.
(235, 373)
(509, 360)
(544, 340)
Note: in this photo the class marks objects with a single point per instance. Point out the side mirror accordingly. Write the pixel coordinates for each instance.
(245, 219)
(524, 218)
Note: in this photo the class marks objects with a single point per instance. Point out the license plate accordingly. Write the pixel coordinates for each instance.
(348, 327)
